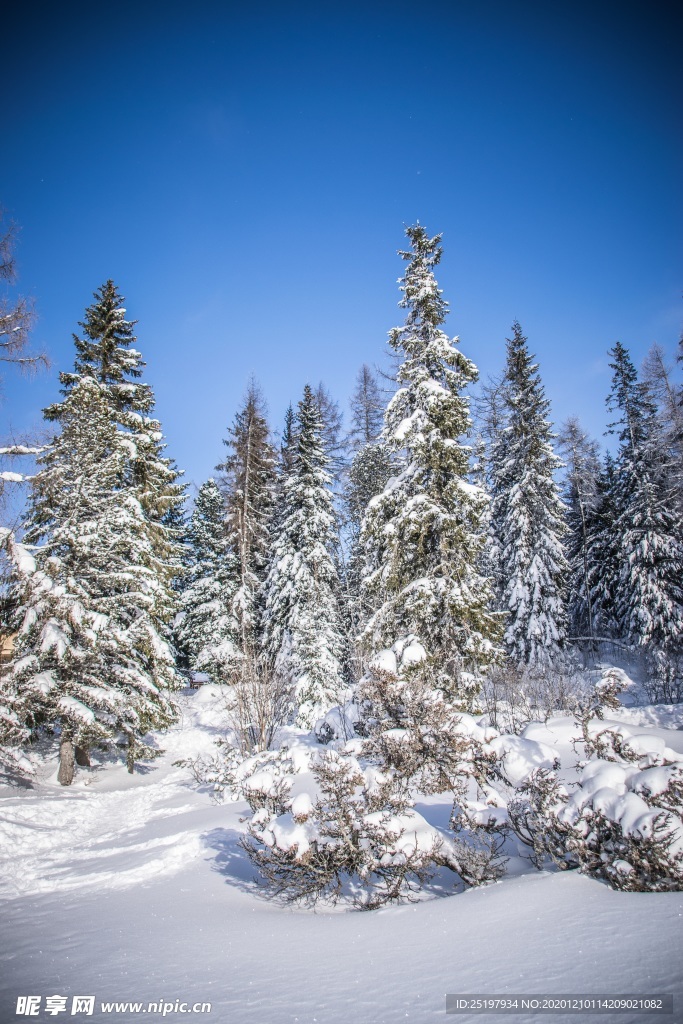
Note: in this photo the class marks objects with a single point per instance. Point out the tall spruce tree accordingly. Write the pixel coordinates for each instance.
(367, 410)
(602, 552)
(649, 598)
(106, 352)
(208, 629)
(286, 456)
(370, 468)
(528, 512)
(659, 385)
(422, 536)
(582, 461)
(301, 620)
(91, 654)
(249, 469)
(114, 578)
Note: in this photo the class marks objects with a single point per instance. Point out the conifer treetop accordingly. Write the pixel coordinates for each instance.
(423, 536)
(301, 618)
(105, 353)
(629, 398)
(529, 514)
(367, 410)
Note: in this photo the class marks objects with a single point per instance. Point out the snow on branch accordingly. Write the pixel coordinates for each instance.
(22, 449)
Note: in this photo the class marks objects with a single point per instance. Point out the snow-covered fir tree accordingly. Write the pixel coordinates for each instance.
(367, 476)
(422, 536)
(528, 512)
(286, 457)
(301, 620)
(490, 413)
(370, 468)
(91, 655)
(208, 629)
(657, 376)
(138, 499)
(649, 596)
(249, 469)
(106, 352)
(367, 410)
(602, 552)
(582, 461)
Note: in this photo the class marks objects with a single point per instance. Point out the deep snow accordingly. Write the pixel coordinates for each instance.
(135, 888)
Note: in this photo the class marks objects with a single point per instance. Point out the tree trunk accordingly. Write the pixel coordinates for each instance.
(130, 756)
(82, 757)
(65, 775)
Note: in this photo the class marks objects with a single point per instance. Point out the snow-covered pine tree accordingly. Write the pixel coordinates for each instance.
(15, 710)
(370, 468)
(90, 655)
(285, 465)
(649, 597)
(368, 473)
(249, 469)
(659, 385)
(367, 410)
(602, 551)
(105, 352)
(301, 620)
(582, 460)
(529, 513)
(208, 629)
(422, 536)
(287, 454)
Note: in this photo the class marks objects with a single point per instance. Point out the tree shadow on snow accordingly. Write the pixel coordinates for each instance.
(231, 860)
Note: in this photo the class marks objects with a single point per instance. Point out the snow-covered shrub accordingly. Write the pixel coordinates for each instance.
(622, 820)
(339, 724)
(412, 728)
(516, 695)
(341, 819)
(259, 702)
(480, 835)
(663, 682)
(352, 830)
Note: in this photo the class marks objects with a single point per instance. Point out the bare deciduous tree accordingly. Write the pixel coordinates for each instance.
(17, 314)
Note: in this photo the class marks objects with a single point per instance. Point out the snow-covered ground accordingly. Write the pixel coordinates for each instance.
(134, 888)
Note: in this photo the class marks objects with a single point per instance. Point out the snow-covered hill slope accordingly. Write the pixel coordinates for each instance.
(135, 889)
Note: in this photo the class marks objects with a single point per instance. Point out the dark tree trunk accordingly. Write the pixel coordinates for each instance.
(82, 757)
(65, 775)
(130, 756)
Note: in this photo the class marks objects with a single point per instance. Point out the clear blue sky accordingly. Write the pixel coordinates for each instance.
(244, 173)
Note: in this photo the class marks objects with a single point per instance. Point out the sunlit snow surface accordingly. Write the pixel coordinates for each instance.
(135, 888)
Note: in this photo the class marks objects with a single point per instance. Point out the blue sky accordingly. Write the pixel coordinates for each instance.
(244, 173)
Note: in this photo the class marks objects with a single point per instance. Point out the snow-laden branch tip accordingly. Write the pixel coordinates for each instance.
(22, 449)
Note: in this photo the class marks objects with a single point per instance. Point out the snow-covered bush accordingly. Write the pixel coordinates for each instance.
(411, 727)
(350, 830)
(663, 681)
(260, 701)
(622, 820)
(515, 695)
